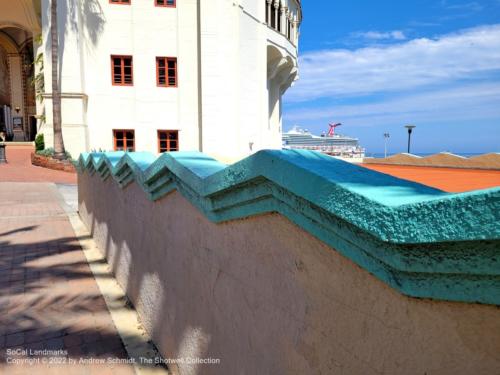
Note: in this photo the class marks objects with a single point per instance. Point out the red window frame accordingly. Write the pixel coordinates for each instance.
(121, 81)
(166, 75)
(121, 135)
(120, 2)
(166, 3)
(165, 143)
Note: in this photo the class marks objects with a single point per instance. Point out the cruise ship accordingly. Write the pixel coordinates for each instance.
(330, 143)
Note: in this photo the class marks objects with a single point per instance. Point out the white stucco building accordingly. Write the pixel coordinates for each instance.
(153, 75)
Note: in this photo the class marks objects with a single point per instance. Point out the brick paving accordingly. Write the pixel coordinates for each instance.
(49, 299)
(19, 168)
(454, 180)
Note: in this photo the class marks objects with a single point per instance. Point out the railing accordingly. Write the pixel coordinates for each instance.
(282, 19)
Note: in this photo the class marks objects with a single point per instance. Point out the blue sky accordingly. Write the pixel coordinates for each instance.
(378, 65)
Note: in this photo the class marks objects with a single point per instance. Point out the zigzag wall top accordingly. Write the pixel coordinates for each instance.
(420, 240)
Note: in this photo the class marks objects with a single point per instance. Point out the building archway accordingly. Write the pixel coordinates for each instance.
(17, 91)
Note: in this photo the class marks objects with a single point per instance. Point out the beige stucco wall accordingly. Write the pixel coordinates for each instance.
(268, 298)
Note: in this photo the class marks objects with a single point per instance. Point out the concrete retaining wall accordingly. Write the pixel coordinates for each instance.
(51, 163)
(266, 297)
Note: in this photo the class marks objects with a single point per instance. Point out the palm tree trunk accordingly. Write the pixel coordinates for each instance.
(59, 152)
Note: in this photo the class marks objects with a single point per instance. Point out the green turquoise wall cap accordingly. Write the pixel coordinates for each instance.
(419, 240)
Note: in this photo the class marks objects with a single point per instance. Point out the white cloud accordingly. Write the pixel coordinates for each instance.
(402, 67)
(467, 102)
(472, 6)
(377, 35)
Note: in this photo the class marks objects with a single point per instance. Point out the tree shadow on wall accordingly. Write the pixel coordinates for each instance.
(84, 19)
(162, 299)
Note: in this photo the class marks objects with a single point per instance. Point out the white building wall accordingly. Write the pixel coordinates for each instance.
(144, 32)
(236, 116)
(234, 75)
(219, 64)
(187, 73)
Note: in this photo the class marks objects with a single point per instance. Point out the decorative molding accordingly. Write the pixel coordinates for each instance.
(67, 95)
(417, 239)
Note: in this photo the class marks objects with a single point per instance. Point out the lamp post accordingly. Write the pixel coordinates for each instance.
(410, 128)
(386, 138)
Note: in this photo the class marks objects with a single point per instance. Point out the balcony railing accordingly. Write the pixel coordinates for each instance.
(282, 18)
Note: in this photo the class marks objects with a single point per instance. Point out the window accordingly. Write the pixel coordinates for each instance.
(123, 2)
(124, 140)
(121, 70)
(166, 71)
(168, 140)
(165, 3)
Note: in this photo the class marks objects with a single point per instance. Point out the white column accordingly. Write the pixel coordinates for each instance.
(276, 13)
(295, 31)
(283, 19)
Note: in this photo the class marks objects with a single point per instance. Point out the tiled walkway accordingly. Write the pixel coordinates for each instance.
(19, 168)
(49, 299)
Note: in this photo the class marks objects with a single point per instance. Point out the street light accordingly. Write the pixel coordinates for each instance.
(386, 138)
(410, 128)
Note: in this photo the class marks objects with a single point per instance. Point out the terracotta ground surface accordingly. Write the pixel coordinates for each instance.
(49, 299)
(447, 179)
(19, 168)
